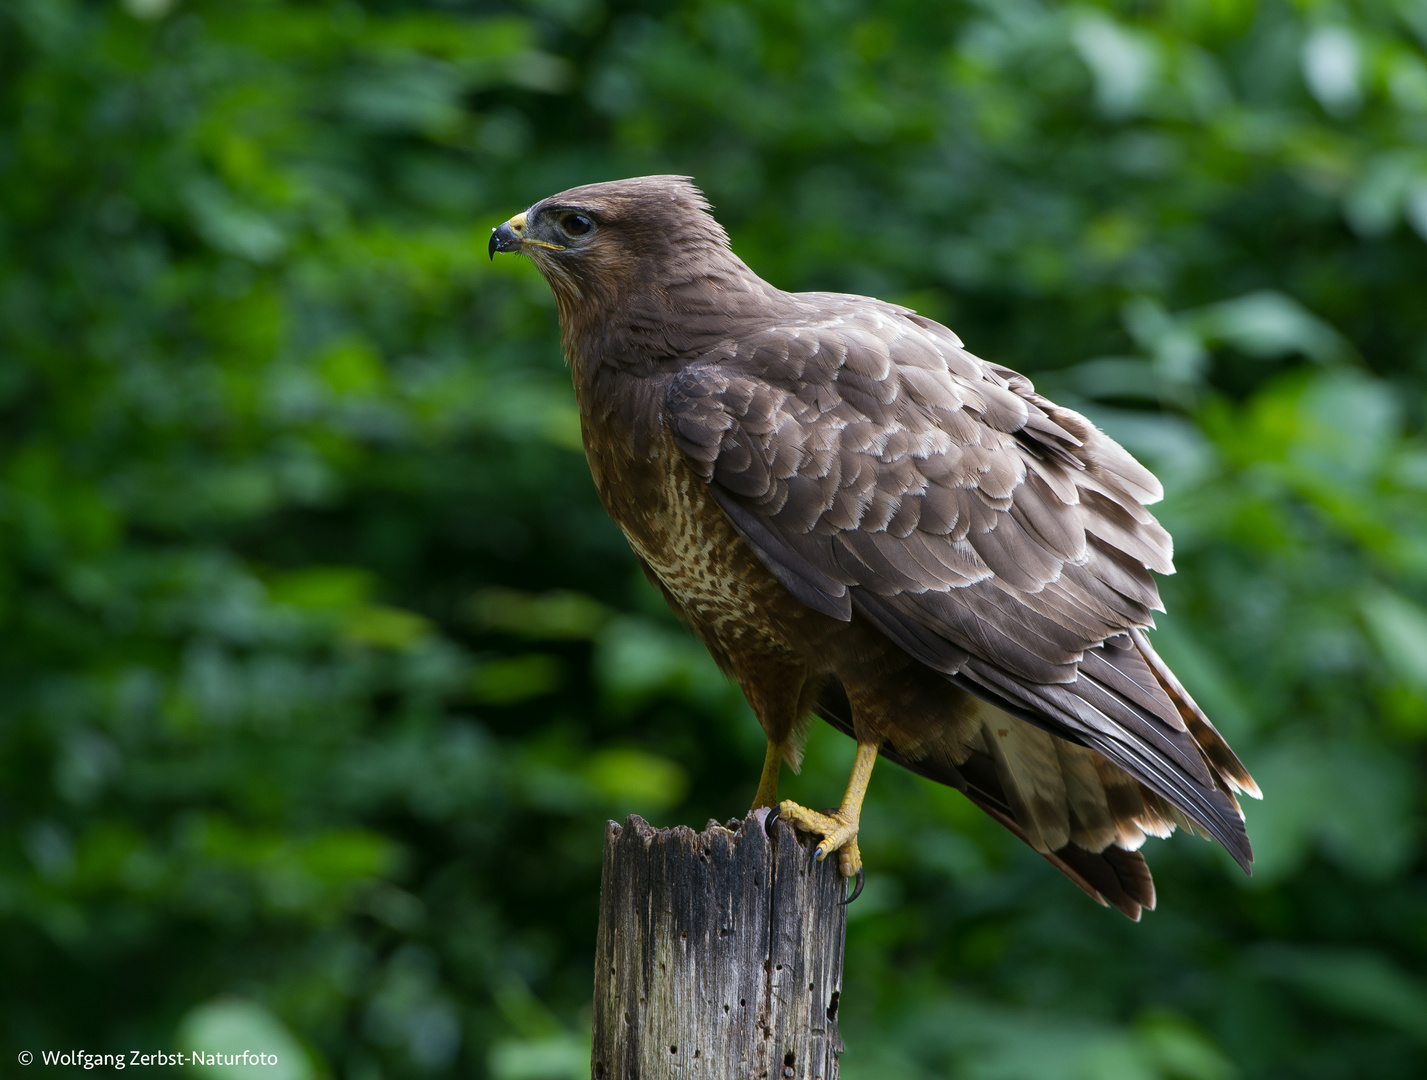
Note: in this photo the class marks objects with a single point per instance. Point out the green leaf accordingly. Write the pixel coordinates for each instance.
(214, 1039)
(1354, 982)
(516, 679)
(1399, 629)
(553, 1057)
(636, 778)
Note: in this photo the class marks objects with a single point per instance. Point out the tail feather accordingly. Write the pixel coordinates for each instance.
(1083, 772)
(1111, 875)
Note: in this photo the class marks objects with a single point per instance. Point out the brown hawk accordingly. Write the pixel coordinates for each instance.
(865, 522)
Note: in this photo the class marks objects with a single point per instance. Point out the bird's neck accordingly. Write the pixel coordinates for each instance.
(669, 317)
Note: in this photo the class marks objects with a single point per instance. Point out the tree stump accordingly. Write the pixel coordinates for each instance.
(719, 955)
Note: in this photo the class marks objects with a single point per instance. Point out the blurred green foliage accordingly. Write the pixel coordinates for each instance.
(322, 668)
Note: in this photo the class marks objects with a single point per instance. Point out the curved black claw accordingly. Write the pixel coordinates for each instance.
(768, 821)
(856, 889)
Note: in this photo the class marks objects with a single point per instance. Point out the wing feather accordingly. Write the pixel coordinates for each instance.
(882, 472)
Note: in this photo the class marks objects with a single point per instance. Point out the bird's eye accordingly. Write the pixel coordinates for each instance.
(576, 224)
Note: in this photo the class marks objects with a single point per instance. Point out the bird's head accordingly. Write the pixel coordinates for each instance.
(597, 243)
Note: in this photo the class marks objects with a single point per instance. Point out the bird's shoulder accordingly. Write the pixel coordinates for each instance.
(858, 444)
(863, 361)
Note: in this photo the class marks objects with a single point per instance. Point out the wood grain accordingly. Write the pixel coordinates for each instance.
(719, 955)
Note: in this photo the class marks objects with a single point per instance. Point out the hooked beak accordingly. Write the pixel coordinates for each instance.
(511, 237)
(507, 236)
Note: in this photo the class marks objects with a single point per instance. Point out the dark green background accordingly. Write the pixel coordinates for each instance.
(322, 668)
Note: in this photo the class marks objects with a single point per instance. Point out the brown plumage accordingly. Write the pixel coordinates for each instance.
(867, 523)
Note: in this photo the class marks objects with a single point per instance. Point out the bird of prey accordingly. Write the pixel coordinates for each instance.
(866, 523)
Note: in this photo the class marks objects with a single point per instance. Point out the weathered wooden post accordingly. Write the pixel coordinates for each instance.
(719, 955)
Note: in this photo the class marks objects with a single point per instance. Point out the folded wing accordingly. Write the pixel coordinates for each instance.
(877, 467)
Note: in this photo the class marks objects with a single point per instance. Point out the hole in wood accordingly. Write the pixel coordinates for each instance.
(832, 1005)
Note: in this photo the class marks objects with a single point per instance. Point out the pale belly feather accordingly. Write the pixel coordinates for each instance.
(693, 548)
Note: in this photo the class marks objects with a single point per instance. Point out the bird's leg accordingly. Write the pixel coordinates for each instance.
(839, 827)
(767, 796)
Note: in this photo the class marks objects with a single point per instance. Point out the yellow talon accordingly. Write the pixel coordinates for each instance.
(838, 828)
(837, 832)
